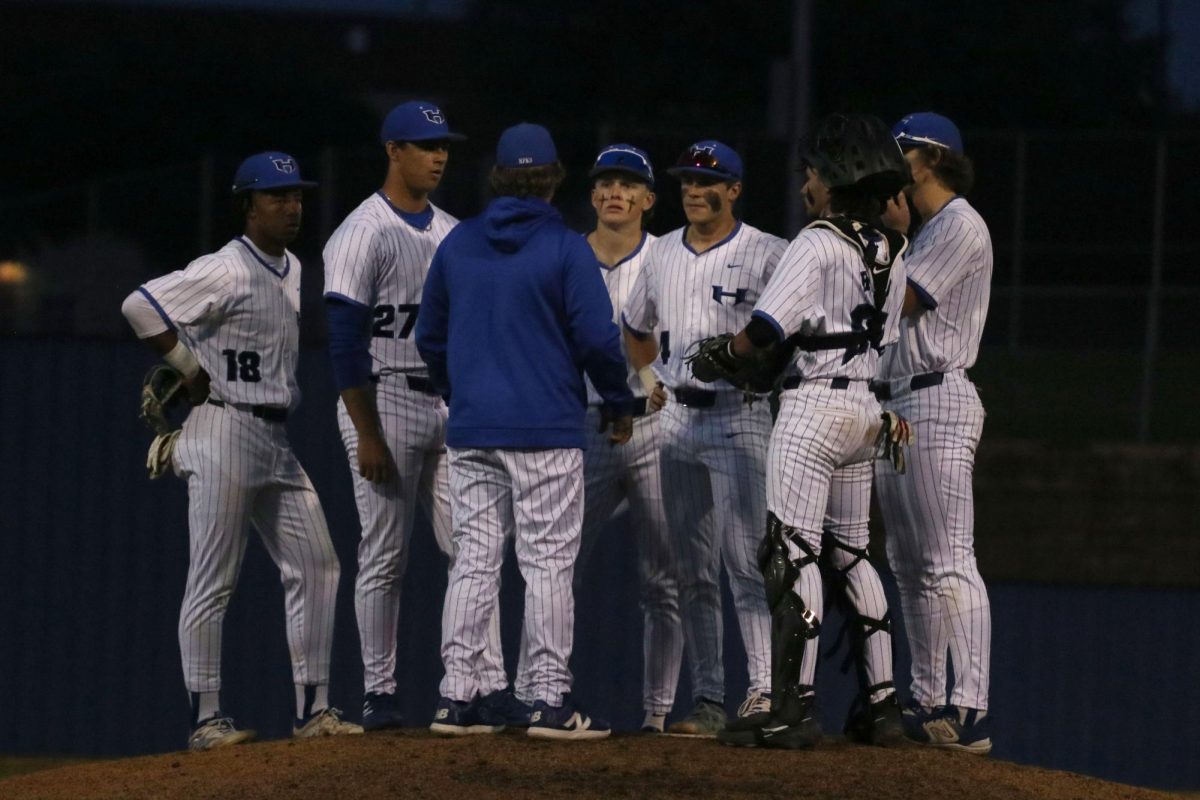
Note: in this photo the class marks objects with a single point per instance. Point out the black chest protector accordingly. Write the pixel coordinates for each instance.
(879, 249)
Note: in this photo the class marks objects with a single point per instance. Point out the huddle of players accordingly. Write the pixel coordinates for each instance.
(700, 467)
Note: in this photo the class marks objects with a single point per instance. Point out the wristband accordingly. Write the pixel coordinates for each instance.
(182, 359)
(649, 379)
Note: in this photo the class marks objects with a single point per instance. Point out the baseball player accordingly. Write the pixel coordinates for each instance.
(230, 323)
(835, 297)
(392, 422)
(928, 511)
(696, 282)
(513, 308)
(623, 195)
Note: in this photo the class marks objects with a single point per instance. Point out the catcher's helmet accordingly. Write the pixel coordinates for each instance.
(856, 149)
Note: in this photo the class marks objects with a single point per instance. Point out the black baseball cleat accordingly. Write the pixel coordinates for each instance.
(503, 704)
(793, 726)
(381, 712)
(742, 731)
(876, 724)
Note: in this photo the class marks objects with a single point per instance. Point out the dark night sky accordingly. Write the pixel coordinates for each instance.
(1183, 23)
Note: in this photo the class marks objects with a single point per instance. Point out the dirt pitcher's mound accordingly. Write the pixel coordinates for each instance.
(415, 764)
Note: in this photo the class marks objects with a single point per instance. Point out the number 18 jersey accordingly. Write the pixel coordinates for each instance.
(238, 311)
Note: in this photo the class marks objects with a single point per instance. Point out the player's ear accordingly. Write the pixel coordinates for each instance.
(648, 201)
(735, 190)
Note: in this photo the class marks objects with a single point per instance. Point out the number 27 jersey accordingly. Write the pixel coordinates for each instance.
(379, 260)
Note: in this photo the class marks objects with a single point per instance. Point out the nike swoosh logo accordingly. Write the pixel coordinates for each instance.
(733, 266)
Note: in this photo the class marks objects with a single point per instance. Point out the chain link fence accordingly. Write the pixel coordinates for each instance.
(1094, 257)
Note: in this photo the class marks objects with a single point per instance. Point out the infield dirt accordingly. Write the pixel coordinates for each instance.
(416, 764)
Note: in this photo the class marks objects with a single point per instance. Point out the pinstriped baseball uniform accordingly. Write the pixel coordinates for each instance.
(631, 473)
(378, 260)
(819, 462)
(929, 511)
(238, 311)
(539, 493)
(713, 459)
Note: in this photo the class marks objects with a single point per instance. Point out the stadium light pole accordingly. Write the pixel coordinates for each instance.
(799, 97)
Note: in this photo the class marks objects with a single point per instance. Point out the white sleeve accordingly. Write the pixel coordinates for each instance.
(203, 291)
(791, 302)
(142, 316)
(945, 258)
(350, 264)
(775, 247)
(640, 313)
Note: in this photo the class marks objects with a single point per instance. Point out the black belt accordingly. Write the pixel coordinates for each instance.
(639, 407)
(695, 398)
(269, 413)
(883, 390)
(419, 384)
(834, 383)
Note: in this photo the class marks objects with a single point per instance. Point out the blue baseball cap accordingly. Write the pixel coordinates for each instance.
(525, 145)
(926, 127)
(269, 170)
(416, 121)
(624, 158)
(709, 157)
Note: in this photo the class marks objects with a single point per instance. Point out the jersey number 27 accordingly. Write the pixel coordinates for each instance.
(385, 318)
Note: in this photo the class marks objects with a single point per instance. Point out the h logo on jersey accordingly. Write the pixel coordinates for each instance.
(434, 115)
(738, 295)
(287, 165)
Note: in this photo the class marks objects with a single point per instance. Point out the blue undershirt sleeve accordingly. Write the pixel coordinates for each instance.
(349, 342)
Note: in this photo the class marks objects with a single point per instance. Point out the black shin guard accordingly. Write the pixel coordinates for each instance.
(792, 624)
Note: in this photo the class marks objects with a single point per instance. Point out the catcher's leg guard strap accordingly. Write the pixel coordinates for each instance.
(859, 626)
(792, 624)
(774, 561)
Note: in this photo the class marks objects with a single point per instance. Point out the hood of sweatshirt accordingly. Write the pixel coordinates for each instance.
(510, 222)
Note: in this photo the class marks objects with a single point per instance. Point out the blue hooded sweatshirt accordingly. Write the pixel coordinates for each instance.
(514, 311)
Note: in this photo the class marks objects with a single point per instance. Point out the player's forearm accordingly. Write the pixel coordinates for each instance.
(162, 343)
(741, 344)
(641, 351)
(360, 405)
(758, 334)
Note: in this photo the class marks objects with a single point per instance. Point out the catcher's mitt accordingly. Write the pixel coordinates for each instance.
(162, 389)
(895, 436)
(714, 360)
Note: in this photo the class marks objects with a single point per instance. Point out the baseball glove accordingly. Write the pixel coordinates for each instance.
(158, 458)
(162, 389)
(895, 436)
(714, 360)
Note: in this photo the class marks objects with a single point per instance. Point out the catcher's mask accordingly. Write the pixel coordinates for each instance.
(856, 150)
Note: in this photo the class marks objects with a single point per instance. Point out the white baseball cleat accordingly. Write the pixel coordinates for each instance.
(217, 732)
(326, 722)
